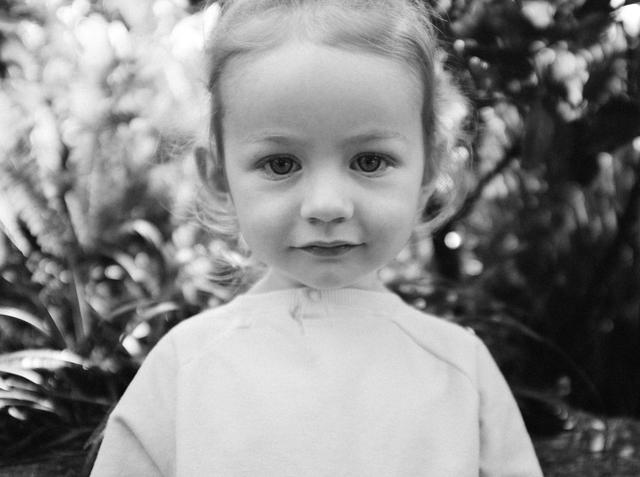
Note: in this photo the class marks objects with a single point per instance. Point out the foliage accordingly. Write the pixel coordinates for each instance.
(102, 104)
(550, 228)
(93, 266)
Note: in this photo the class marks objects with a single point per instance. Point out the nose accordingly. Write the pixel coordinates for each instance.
(326, 199)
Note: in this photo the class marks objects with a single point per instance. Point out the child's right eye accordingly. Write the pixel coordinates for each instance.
(280, 165)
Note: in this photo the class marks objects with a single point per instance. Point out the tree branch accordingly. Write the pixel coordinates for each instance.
(475, 195)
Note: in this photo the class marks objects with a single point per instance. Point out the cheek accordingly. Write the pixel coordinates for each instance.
(396, 223)
(394, 216)
(262, 220)
(251, 207)
(398, 204)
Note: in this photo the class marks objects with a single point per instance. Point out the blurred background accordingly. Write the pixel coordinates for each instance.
(102, 105)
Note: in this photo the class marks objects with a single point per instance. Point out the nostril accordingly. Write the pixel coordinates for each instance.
(316, 221)
(329, 211)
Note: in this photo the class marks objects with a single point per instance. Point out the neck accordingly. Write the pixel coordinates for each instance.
(273, 281)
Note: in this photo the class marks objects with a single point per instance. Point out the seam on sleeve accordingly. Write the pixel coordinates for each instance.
(444, 359)
(128, 428)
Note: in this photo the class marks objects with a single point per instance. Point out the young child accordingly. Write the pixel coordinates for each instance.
(328, 138)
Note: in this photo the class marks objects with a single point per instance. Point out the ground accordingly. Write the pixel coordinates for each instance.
(593, 447)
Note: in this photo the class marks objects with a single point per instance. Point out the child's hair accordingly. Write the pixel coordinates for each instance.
(400, 29)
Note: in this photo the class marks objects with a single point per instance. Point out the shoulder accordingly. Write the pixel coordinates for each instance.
(197, 333)
(456, 346)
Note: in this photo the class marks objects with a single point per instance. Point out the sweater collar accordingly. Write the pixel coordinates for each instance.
(307, 302)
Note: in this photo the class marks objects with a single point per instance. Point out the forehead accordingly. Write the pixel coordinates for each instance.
(302, 81)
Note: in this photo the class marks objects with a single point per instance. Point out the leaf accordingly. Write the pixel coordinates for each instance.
(139, 323)
(36, 322)
(15, 397)
(138, 274)
(10, 225)
(21, 185)
(146, 230)
(64, 440)
(26, 374)
(126, 308)
(48, 359)
(160, 308)
(25, 317)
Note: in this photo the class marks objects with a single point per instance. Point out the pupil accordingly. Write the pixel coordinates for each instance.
(369, 163)
(281, 165)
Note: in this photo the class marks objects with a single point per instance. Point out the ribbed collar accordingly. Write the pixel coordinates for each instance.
(302, 303)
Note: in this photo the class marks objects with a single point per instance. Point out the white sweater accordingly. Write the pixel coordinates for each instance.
(317, 383)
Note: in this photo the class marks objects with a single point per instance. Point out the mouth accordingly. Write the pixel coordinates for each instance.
(329, 249)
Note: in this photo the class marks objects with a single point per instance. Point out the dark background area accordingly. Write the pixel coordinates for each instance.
(102, 105)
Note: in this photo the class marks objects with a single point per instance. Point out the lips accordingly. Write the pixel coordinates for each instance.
(329, 249)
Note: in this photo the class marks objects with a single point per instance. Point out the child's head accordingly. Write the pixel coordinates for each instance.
(326, 131)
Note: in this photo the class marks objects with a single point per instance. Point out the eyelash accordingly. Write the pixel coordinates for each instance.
(384, 161)
(267, 166)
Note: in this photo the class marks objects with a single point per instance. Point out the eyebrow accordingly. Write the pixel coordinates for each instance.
(375, 136)
(283, 139)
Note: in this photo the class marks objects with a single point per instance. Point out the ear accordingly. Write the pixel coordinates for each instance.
(211, 169)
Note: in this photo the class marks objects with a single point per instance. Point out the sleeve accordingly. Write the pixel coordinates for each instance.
(139, 437)
(505, 446)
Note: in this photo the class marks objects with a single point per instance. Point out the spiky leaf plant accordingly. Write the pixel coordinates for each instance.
(93, 267)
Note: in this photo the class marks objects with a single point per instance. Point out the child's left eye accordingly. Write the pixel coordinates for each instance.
(371, 162)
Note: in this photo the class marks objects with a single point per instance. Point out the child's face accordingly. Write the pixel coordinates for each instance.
(324, 156)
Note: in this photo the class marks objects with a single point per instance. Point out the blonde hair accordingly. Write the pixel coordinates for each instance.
(400, 29)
